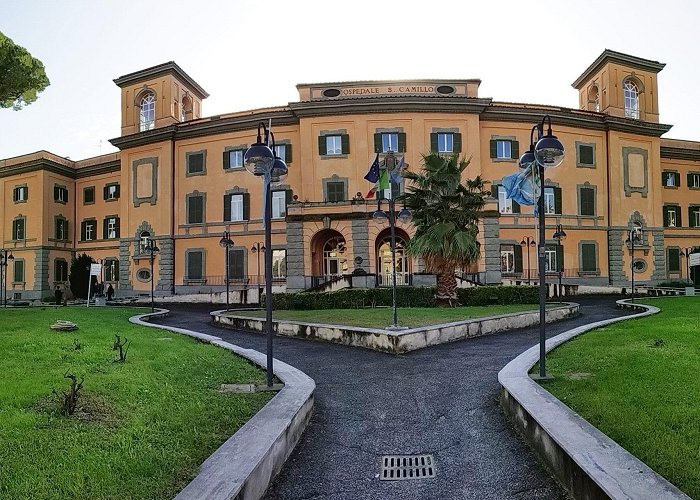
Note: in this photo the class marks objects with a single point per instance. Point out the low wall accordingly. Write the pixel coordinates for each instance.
(398, 341)
(588, 463)
(245, 465)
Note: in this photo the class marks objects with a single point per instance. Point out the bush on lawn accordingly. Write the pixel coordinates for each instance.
(406, 296)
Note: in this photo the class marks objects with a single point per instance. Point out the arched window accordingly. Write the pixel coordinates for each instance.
(385, 264)
(186, 108)
(147, 115)
(594, 99)
(144, 238)
(631, 100)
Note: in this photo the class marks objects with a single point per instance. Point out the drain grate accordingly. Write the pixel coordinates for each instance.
(398, 467)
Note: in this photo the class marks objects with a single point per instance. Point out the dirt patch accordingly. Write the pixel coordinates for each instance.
(90, 409)
(578, 375)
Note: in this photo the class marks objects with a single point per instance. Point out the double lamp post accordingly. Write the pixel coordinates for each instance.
(547, 152)
(5, 257)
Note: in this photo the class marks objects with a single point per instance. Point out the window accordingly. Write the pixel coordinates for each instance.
(60, 270)
(144, 239)
(586, 200)
(236, 208)
(195, 209)
(335, 191)
(390, 141)
(549, 207)
(585, 155)
(511, 259)
(18, 275)
(147, 112)
(694, 180)
(446, 142)
(236, 264)
(88, 230)
(18, 232)
(195, 264)
(60, 194)
(672, 216)
(505, 204)
(111, 192)
(279, 204)
(631, 100)
(110, 228)
(694, 216)
(594, 99)
(333, 144)
(143, 275)
(20, 194)
(279, 264)
(674, 260)
(550, 258)
(61, 229)
(504, 149)
(588, 257)
(111, 270)
(88, 195)
(233, 158)
(671, 179)
(284, 151)
(195, 163)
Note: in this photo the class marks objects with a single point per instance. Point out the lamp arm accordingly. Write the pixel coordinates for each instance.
(549, 124)
(262, 124)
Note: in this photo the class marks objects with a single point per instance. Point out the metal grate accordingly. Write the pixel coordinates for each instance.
(399, 467)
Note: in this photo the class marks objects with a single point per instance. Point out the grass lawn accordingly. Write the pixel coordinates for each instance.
(380, 317)
(145, 425)
(637, 381)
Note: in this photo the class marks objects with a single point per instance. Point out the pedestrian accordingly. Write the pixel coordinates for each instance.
(58, 294)
(110, 292)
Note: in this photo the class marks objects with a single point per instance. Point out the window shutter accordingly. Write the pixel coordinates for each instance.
(116, 192)
(116, 227)
(106, 192)
(65, 198)
(227, 207)
(83, 225)
(557, 200)
(377, 143)
(588, 257)
(494, 191)
(515, 151)
(105, 231)
(322, 147)
(678, 216)
(585, 154)
(457, 143)
(65, 226)
(674, 259)
(236, 268)
(14, 230)
(587, 201)
(227, 159)
(691, 219)
(494, 148)
(15, 192)
(345, 144)
(516, 207)
(560, 258)
(690, 180)
(194, 265)
(55, 193)
(677, 175)
(288, 153)
(664, 175)
(666, 209)
(246, 206)
(402, 142)
(518, 258)
(434, 143)
(19, 271)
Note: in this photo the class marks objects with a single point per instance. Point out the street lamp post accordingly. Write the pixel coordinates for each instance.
(152, 250)
(225, 242)
(548, 152)
(634, 235)
(5, 257)
(260, 160)
(560, 235)
(528, 242)
(257, 249)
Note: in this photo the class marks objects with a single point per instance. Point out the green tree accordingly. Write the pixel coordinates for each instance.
(78, 277)
(22, 76)
(446, 213)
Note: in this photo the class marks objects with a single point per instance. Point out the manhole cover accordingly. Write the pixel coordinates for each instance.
(397, 467)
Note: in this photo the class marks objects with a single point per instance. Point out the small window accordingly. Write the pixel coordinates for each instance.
(631, 100)
(195, 209)
(18, 229)
(111, 228)
(88, 195)
(18, 275)
(279, 204)
(88, 230)
(60, 194)
(674, 260)
(61, 229)
(335, 191)
(111, 270)
(144, 239)
(672, 216)
(511, 259)
(671, 179)
(588, 257)
(334, 145)
(111, 192)
(60, 273)
(147, 112)
(550, 258)
(20, 194)
(694, 216)
(587, 201)
(549, 204)
(233, 158)
(504, 149)
(236, 208)
(505, 204)
(694, 180)
(585, 155)
(445, 143)
(284, 151)
(195, 265)
(390, 141)
(279, 264)
(195, 163)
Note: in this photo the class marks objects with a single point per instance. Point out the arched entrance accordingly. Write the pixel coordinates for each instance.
(328, 256)
(384, 261)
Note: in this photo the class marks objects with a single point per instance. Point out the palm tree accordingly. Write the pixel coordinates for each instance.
(446, 214)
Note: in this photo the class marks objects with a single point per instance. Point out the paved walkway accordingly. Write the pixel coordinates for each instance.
(442, 400)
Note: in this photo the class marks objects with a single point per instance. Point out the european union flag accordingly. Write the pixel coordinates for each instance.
(373, 174)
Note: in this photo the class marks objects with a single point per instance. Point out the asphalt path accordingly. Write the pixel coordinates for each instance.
(442, 400)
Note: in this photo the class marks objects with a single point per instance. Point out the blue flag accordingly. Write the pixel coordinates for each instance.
(521, 186)
(373, 174)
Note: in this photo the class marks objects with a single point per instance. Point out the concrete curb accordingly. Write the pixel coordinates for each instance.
(587, 462)
(398, 341)
(245, 465)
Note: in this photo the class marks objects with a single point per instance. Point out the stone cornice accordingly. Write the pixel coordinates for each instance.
(384, 104)
(147, 137)
(57, 168)
(680, 153)
(620, 58)
(162, 69)
(104, 168)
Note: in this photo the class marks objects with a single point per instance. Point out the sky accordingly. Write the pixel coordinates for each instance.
(251, 54)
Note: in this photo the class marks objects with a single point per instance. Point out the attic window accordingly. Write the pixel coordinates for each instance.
(631, 100)
(147, 115)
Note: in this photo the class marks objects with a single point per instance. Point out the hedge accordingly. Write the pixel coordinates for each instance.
(406, 296)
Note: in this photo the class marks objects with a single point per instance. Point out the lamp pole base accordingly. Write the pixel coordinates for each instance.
(539, 378)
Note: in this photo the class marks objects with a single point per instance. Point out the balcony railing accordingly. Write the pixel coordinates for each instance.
(237, 282)
(551, 275)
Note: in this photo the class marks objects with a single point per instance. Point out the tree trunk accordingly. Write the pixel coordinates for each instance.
(446, 293)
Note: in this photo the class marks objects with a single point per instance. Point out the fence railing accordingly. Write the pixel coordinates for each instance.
(550, 275)
(237, 281)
